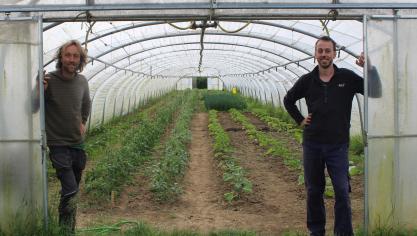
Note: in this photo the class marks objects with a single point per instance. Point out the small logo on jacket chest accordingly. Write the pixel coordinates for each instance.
(341, 85)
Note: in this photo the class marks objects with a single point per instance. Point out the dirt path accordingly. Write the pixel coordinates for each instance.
(277, 204)
(279, 201)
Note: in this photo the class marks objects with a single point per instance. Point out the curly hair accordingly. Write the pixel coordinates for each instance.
(83, 54)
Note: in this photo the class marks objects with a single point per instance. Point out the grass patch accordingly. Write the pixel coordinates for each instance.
(388, 231)
(130, 228)
(32, 224)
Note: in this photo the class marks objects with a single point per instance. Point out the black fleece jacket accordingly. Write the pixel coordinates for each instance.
(330, 104)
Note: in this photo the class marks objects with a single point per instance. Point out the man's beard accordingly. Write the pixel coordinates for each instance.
(327, 65)
(70, 68)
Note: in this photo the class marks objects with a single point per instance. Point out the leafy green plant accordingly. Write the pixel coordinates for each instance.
(356, 155)
(356, 145)
(232, 172)
(223, 101)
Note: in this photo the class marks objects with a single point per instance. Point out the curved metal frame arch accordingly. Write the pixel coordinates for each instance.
(238, 66)
(207, 33)
(214, 43)
(238, 51)
(188, 34)
(108, 33)
(253, 22)
(184, 50)
(302, 32)
(251, 63)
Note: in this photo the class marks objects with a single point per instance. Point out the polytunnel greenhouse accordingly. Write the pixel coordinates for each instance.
(158, 154)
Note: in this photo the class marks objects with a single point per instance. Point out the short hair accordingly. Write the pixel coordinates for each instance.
(328, 39)
(83, 54)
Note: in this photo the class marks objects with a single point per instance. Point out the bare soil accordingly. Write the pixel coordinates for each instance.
(276, 205)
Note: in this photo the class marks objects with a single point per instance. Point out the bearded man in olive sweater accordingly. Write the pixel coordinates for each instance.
(67, 107)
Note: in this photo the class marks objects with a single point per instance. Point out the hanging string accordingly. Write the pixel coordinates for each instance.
(91, 23)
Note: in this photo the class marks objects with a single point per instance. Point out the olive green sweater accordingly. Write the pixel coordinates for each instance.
(67, 104)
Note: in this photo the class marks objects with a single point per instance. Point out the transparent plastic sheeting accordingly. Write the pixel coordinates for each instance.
(121, 94)
(392, 128)
(214, 84)
(159, 49)
(184, 83)
(20, 152)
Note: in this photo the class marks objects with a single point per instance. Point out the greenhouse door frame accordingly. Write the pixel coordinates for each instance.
(391, 132)
(42, 137)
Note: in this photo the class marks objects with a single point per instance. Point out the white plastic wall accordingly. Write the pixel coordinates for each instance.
(392, 129)
(20, 152)
(185, 83)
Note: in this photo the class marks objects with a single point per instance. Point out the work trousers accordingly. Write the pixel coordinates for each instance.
(69, 164)
(334, 157)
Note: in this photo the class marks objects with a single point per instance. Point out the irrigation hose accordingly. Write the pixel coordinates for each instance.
(108, 228)
(182, 28)
(233, 31)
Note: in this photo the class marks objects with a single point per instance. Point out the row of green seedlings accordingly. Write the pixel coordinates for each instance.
(117, 166)
(273, 146)
(284, 125)
(170, 170)
(278, 124)
(233, 174)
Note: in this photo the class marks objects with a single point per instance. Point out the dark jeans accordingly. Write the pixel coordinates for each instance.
(317, 157)
(69, 164)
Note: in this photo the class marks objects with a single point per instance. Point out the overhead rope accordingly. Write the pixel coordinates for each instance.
(89, 30)
(201, 49)
(182, 28)
(332, 15)
(233, 31)
(203, 25)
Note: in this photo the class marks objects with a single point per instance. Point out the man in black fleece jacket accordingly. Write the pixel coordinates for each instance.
(67, 107)
(328, 91)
